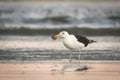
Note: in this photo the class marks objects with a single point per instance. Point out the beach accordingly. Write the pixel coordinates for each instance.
(36, 60)
(52, 71)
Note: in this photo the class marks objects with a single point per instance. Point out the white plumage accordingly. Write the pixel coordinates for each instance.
(73, 42)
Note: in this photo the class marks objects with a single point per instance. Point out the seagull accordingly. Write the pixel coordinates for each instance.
(73, 42)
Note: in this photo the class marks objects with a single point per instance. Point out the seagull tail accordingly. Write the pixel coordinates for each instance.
(91, 41)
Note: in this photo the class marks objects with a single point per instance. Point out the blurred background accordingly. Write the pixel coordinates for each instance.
(87, 17)
(26, 26)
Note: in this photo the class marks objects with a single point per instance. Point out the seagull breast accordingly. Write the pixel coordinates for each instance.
(72, 43)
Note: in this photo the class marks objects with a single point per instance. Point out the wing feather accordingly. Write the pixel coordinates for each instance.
(82, 39)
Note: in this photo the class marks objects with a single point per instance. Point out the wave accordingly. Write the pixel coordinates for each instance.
(32, 16)
(54, 19)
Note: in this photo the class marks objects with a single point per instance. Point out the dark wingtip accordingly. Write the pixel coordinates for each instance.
(91, 41)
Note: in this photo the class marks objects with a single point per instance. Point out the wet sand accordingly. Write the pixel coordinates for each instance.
(53, 71)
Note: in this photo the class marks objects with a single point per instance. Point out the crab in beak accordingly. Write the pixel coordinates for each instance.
(56, 36)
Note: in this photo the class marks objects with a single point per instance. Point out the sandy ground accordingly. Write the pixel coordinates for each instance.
(53, 71)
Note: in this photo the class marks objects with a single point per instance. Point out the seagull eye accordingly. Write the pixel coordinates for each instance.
(63, 33)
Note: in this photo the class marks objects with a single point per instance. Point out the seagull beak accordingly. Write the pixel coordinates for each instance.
(56, 36)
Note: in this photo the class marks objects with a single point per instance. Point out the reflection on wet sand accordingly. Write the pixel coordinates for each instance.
(36, 71)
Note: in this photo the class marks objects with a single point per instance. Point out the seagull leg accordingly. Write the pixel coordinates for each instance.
(70, 59)
(79, 56)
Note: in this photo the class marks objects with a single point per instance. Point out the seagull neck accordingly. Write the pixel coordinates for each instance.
(67, 37)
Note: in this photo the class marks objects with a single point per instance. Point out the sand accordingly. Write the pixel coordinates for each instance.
(53, 71)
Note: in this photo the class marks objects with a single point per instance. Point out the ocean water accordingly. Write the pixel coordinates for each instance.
(43, 48)
(55, 16)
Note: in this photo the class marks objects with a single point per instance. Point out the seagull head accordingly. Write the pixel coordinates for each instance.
(62, 34)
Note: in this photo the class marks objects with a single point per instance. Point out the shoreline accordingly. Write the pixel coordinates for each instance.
(62, 62)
